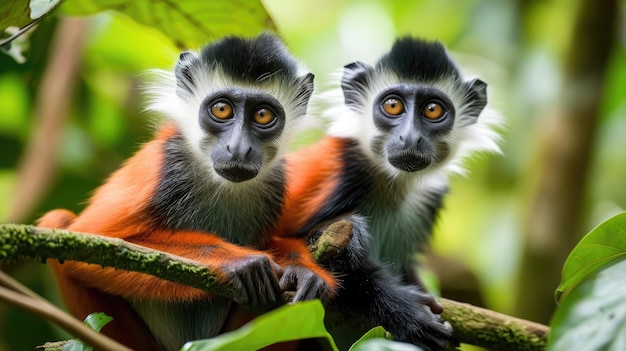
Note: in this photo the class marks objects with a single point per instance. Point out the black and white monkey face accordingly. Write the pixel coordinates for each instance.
(412, 111)
(416, 119)
(242, 125)
(236, 101)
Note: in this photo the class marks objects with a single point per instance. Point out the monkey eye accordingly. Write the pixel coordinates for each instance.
(222, 110)
(433, 110)
(393, 106)
(264, 117)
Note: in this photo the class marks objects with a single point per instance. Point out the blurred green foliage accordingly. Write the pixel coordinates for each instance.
(518, 47)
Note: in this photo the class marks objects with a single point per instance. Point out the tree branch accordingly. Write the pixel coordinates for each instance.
(495, 331)
(20, 296)
(26, 241)
(472, 325)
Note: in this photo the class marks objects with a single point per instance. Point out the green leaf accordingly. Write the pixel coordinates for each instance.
(379, 344)
(302, 320)
(14, 13)
(378, 339)
(19, 13)
(97, 321)
(39, 8)
(76, 345)
(593, 315)
(603, 245)
(374, 333)
(189, 23)
(16, 18)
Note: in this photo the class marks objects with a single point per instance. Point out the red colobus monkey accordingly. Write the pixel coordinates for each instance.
(399, 128)
(211, 187)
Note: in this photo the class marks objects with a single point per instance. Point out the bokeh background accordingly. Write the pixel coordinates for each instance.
(556, 72)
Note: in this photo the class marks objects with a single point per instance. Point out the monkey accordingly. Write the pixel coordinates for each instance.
(209, 186)
(400, 128)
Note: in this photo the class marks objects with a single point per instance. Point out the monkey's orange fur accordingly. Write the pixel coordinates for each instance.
(117, 209)
(311, 179)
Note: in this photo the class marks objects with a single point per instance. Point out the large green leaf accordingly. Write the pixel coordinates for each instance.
(189, 23)
(593, 315)
(603, 245)
(302, 320)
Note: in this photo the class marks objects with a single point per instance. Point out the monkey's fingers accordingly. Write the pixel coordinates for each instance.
(253, 280)
(428, 330)
(427, 299)
(305, 282)
(437, 332)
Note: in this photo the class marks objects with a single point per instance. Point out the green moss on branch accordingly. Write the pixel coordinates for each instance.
(25, 241)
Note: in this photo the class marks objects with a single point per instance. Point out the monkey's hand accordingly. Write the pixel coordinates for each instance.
(253, 279)
(301, 272)
(414, 321)
(307, 284)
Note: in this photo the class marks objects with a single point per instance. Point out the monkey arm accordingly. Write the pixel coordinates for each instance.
(242, 269)
(317, 192)
(233, 265)
(324, 182)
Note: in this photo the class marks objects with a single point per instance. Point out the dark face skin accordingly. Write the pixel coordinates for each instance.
(416, 119)
(241, 122)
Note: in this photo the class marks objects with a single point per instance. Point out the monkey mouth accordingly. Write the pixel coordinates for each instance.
(409, 161)
(236, 172)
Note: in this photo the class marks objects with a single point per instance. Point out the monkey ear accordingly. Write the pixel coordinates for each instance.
(475, 98)
(182, 71)
(354, 82)
(305, 89)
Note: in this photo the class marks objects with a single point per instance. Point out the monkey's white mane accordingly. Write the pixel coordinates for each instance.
(465, 139)
(184, 111)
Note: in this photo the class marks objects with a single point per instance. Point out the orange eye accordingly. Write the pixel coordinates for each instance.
(263, 116)
(393, 106)
(433, 110)
(222, 110)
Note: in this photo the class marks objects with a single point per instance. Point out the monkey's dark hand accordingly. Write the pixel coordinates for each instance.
(415, 322)
(305, 282)
(253, 279)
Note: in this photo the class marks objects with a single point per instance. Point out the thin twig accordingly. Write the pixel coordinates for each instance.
(40, 307)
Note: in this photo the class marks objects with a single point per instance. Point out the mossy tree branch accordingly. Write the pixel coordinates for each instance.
(495, 331)
(472, 325)
(25, 241)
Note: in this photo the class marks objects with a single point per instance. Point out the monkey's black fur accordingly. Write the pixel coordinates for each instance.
(409, 153)
(180, 202)
(419, 60)
(373, 296)
(243, 60)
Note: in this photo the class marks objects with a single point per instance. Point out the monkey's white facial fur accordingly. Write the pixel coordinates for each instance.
(240, 147)
(422, 121)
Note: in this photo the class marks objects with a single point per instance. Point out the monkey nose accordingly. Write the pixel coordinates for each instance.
(238, 152)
